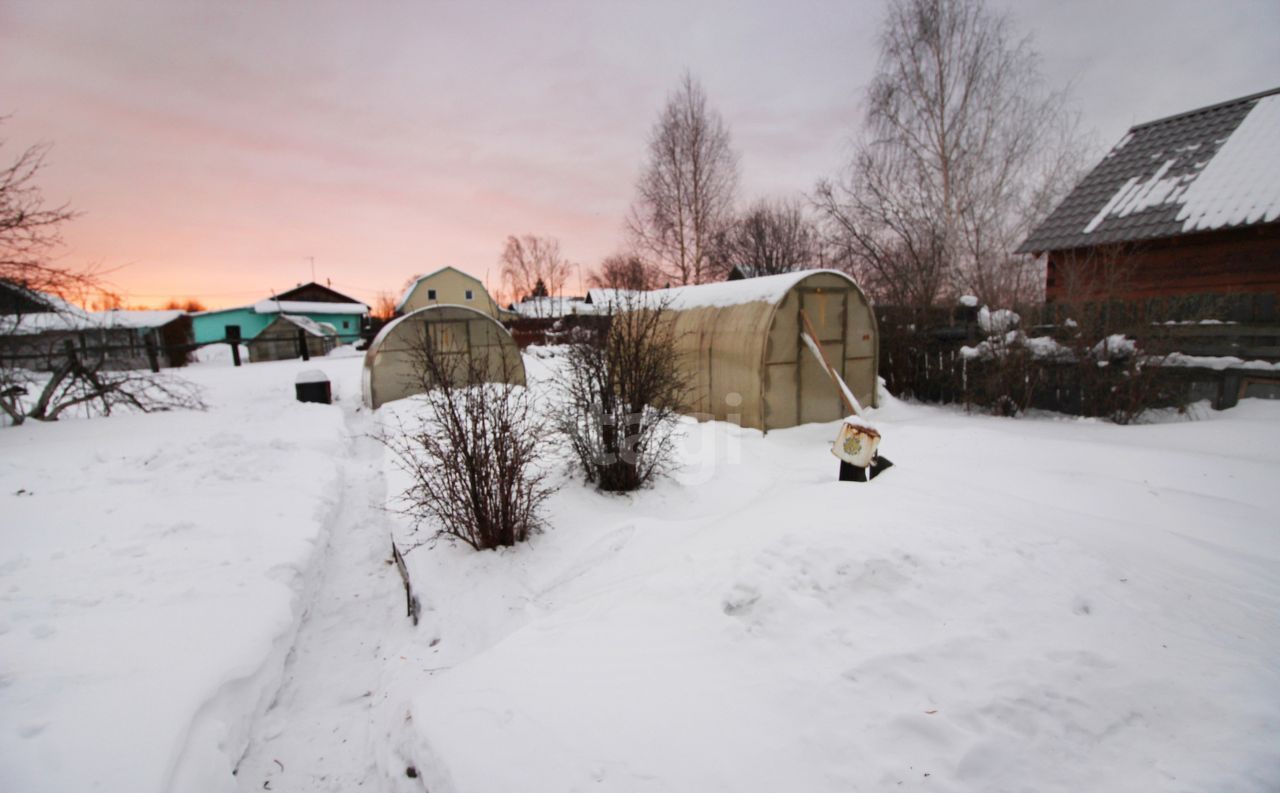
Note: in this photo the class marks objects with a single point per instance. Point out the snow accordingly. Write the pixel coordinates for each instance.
(998, 321)
(1140, 195)
(310, 326)
(969, 301)
(1053, 605)
(311, 376)
(1117, 345)
(1241, 184)
(1219, 362)
(135, 319)
(71, 318)
(1050, 604)
(151, 579)
(1238, 185)
(554, 307)
(603, 298)
(272, 306)
(769, 289)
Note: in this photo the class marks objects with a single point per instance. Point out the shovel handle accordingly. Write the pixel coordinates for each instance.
(846, 395)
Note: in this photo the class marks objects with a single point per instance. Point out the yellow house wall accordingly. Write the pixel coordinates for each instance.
(451, 289)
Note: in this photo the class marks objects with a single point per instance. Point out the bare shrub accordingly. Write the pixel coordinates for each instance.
(1106, 365)
(621, 393)
(474, 460)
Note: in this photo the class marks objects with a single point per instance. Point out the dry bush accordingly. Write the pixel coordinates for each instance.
(621, 392)
(40, 379)
(475, 459)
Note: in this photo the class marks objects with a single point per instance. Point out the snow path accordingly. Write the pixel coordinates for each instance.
(330, 725)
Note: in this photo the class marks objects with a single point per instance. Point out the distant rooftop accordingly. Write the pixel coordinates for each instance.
(1216, 167)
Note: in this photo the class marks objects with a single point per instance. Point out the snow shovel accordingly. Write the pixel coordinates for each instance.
(858, 441)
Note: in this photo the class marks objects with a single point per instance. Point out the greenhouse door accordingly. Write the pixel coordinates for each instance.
(817, 398)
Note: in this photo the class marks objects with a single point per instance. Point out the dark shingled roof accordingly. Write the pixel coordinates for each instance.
(1182, 145)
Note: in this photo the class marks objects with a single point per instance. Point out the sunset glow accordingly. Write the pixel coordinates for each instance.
(215, 151)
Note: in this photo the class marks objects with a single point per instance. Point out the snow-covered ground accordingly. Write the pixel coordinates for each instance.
(1042, 604)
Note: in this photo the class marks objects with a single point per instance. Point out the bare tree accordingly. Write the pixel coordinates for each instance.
(621, 391)
(964, 151)
(771, 237)
(31, 231)
(624, 271)
(474, 462)
(53, 355)
(189, 305)
(530, 259)
(685, 196)
(384, 306)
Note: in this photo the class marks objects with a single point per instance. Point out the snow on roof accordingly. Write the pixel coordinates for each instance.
(135, 319)
(62, 316)
(1212, 168)
(1241, 184)
(554, 307)
(272, 306)
(607, 297)
(768, 289)
(72, 318)
(310, 325)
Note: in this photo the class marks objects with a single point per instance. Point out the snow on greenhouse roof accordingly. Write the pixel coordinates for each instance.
(767, 289)
(1212, 168)
(310, 326)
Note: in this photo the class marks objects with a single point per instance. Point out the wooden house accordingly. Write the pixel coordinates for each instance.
(1181, 216)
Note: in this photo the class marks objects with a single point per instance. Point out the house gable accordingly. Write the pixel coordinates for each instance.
(315, 293)
(448, 286)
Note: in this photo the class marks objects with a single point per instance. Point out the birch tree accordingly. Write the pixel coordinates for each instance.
(685, 195)
(530, 259)
(772, 237)
(964, 149)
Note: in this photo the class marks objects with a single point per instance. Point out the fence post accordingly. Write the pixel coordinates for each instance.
(233, 338)
(153, 358)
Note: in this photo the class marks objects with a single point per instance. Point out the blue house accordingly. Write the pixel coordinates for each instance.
(317, 302)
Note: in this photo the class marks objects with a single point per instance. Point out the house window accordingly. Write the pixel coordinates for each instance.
(345, 324)
(469, 294)
(431, 294)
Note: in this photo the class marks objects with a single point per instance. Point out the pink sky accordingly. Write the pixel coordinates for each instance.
(214, 148)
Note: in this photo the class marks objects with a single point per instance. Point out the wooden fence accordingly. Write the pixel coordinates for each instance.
(921, 358)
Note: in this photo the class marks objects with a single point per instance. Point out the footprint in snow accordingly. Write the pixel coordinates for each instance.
(740, 600)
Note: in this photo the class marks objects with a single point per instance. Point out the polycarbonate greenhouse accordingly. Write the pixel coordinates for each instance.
(392, 368)
(740, 344)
